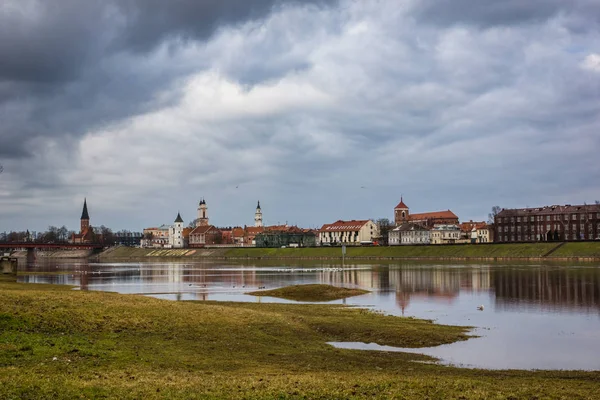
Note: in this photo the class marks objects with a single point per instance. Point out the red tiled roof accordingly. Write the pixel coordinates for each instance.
(202, 229)
(237, 232)
(401, 204)
(276, 228)
(433, 215)
(468, 226)
(339, 226)
(254, 230)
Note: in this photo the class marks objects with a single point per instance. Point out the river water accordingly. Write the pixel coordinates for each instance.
(533, 317)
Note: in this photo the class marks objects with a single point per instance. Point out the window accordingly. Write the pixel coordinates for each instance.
(547, 218)
(566, 217)
(573, 217)
(518, 219)
(531, 218)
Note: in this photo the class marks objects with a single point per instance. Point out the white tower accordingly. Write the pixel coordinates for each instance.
(176, 233)
(258, 216)
(202, 214)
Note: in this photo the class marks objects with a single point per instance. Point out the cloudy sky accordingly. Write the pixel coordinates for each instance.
(322, 110)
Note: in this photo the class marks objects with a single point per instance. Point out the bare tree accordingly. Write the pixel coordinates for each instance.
(492, 215)
(384, 225)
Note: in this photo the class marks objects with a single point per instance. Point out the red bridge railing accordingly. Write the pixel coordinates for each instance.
(66, 246)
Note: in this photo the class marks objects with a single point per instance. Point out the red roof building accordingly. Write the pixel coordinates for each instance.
(429, 219)
(204, 235)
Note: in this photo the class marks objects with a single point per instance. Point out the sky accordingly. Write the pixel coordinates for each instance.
(322, 110)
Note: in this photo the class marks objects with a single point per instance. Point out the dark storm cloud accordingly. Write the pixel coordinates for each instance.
(505, 12)
(61, 71)
(148, 22)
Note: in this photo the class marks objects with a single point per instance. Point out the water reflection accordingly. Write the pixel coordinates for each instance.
(551, 288)
(535, 316)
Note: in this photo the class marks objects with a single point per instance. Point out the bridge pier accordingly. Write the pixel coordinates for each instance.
(31, 255)
(8, 265)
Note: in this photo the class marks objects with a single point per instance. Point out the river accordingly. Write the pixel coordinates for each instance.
(533, 317)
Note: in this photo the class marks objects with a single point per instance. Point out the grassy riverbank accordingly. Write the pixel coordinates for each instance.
(481, 251)
(58, 343)
(311, 293)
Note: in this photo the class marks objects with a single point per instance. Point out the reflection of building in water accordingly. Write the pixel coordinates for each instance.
(201, 276)
(376, 278)
(442, 281)
(557, 289)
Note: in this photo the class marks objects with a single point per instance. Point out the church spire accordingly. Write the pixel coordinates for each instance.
(178, 219)
(258, 216)
(84, 213)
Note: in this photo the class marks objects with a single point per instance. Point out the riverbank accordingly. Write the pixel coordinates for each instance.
(54, 254)
(572, 251)
(59, 343)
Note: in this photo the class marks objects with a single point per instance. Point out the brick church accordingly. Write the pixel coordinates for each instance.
(428, 219)
(86, 233)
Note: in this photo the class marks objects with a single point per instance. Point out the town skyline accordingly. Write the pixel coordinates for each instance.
(322, 109)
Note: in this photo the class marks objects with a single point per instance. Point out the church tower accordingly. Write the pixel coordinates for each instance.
(202, 214)
(401, 213)
(258, 217)
(85, 218)
(176, 233)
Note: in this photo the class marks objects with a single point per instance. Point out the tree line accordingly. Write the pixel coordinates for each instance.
(54, 234)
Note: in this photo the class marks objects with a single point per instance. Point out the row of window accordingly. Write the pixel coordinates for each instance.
(555, 227)
(526, 238)
(555, 217)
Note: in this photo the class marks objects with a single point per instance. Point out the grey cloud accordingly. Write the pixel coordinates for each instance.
(505, 12)
(69, 66)
(148, 22)
(452, 118)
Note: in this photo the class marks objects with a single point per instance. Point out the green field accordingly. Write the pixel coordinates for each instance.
(56, 343)
(574, 249)
(512, 250)
(312, 293)
(495, 250)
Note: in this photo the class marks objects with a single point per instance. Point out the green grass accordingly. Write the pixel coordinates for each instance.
(497, 250)
(57, 343)
(578, 249)
(492, 250)
(311, 292)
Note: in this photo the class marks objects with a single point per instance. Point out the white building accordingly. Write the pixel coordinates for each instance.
(476, 232)
(348, 232)
(202, 219)
(176, 234)
(409, 233)
(156, 237)
(445, 234)
(258, 221)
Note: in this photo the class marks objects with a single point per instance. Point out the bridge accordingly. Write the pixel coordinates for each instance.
(57, 246)
(31, 247)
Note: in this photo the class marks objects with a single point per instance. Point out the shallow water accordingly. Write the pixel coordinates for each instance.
(534, 316)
